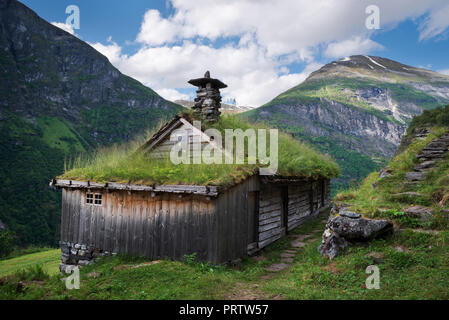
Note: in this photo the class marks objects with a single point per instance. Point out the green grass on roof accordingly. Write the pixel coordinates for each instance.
(120, 163)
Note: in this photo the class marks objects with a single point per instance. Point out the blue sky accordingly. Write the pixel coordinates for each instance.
(259, 48)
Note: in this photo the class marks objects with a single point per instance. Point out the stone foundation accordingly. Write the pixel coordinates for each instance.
(78, 254)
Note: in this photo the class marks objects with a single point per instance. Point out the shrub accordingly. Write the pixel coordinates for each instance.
(6, 243)
(34, 272)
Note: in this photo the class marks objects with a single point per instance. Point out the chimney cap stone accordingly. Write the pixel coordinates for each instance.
(202, 82)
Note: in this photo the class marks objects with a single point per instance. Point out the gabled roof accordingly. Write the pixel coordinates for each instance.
(166, 130)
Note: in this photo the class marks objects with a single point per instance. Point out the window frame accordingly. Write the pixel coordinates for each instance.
(94, 199)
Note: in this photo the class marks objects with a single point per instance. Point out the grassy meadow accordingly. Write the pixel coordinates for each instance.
(420, 270)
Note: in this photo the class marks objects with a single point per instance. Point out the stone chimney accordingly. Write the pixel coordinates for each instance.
(208, 99)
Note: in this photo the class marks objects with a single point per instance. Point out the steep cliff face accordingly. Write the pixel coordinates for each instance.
(356, 108)
(45, 70)
(58, 97)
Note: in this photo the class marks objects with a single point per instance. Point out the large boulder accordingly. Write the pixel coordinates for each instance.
(345, 226)
(359, 229)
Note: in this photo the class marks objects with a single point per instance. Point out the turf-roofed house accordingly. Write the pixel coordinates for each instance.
(143, 203)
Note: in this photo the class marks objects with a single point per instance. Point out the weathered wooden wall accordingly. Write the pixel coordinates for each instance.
(304, 201)
(232, 218)
(170, 225)
(166, 226)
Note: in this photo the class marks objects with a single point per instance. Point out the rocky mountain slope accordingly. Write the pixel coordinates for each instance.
(413, 190)
(356, 109)
(58, 97)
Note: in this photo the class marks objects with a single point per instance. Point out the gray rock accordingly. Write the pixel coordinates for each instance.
(384, 173)
(349, 214)
(376, 256)
(414, 176)
(360, 229)
(332, 244)
(423, 213)
(409, 194)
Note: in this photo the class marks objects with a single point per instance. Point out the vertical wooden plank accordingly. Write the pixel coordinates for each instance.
(70, 216)
(149, 218)
(157, 227)
(76, 214)
(108, 214)
(213, 240)
(203, 235)
(112, 230)
(64, 216)
(126, 220)
(175, 226)
(120, 233)
(142, 225)
(133, 207)
(86, 214)
(93, 221)
(190, 225)
(81, 210)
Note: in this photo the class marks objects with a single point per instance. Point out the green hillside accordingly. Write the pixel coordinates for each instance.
(355, 109)
(59, 97)
(390, 195)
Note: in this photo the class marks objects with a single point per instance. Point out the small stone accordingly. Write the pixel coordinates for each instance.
(287, 260)
(414, 176)
(297, 244)
(401, 249)
(377, 257)
(349, 214)
(77, 246)
(423, 213)
(276, 267)
(287, 255)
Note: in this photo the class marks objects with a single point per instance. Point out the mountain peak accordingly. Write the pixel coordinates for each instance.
(364, 66)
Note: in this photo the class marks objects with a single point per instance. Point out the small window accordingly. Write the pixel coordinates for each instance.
(94, 198)
(212, 138)
(98, 198)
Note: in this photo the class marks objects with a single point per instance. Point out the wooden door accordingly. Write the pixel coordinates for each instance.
(253, 216)
(284, 210)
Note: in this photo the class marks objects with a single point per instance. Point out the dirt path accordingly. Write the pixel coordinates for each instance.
(245, 291)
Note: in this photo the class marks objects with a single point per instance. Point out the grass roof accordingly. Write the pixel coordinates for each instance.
(120, 163)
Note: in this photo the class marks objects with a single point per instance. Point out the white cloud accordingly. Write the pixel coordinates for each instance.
(355, 45)
(66, 27)
(435, 23)
(271, 35)
(112, 51)
(172, 94)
